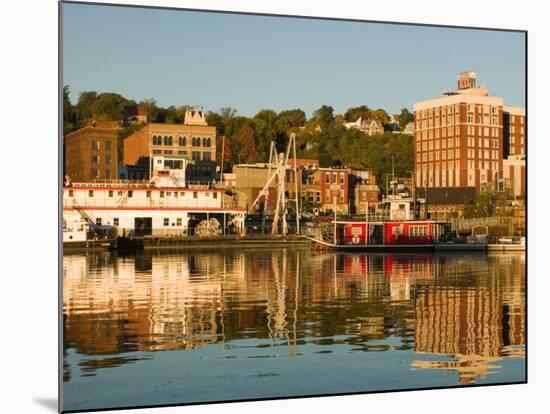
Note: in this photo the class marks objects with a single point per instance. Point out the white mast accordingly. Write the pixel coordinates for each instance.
(279, 173)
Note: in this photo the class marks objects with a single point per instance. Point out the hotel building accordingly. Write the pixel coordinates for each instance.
(193, 139)
(458, 138)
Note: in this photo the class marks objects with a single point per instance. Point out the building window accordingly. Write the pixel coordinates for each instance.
(130, 194)
(178, 221)
(207, 156)
(327, 197)
(157, 140)
(95, 159)
(168, 152)
(418, 231)
(182, 141)
(196, 156)
(115, 221)
(157, 151)
(95, 145)
(108, 145)
(167, 140)
(107, 173)
(342, 196)
(148, 194)
(195, 194)
(162, 194)
(327, 178)
(215, 195)
(342, 178)
(98, 221)
(95, 173)
(166, 221)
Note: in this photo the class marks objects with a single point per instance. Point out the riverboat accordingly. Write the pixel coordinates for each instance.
(166, 206)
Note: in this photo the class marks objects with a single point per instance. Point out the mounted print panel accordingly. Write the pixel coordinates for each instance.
(263, 206)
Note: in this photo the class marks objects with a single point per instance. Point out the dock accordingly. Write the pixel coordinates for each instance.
(230, 241)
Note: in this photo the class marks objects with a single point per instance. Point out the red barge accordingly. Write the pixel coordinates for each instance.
(400, 232)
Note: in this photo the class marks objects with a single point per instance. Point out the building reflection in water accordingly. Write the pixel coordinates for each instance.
(470, 310)
(477, 325)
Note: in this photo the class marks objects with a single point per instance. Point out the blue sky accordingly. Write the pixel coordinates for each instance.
(255, 62)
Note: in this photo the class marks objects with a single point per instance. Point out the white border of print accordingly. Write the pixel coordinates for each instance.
(29, 302)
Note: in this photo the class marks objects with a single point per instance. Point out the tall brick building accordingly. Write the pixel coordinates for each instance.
(91, 151)
(458, 138)
(469, 139)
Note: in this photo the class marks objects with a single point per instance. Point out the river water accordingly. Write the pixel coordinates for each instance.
(169, 327)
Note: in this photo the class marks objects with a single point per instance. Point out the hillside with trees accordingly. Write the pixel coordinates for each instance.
(247, 139)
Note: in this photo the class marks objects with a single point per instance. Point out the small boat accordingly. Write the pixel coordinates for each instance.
(82, 234)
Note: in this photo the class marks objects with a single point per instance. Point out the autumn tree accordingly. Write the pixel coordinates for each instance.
(246, 150)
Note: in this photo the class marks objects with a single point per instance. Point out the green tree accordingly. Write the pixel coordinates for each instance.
(380, 115)
(324, 116)
(84, 106)
(404, 117)
(266, 131)
(354, 113)
(69, 113)
(110, 106)
(151, 108)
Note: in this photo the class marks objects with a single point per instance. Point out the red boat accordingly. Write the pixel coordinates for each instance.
(400, 232)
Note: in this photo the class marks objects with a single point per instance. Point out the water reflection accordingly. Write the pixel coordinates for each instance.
(456, 313)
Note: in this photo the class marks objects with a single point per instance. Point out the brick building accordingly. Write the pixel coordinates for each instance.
(327, 188)
(364, 193)
(458, 138)
(91, 151)
(193, 139)
(514, 131)
(514, 174)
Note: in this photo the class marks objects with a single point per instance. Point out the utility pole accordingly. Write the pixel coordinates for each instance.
(393, 174)
(221, 167)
